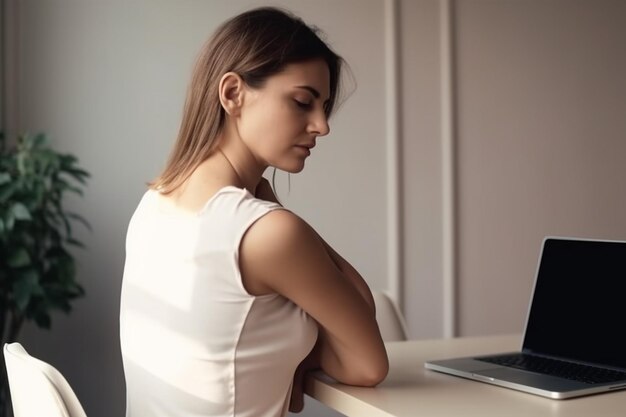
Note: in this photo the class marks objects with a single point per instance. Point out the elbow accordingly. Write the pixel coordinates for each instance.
(371, 375)
(376, 376)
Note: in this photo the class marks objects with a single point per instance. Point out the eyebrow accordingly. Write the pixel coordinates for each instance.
(313, 91)
(310, 89)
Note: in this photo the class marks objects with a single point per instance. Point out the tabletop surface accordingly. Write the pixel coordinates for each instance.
(412, 390)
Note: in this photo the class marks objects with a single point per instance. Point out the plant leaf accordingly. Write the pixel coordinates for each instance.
(9, 221)
(6, 191)
(60, 303)
(74, 242)
(18, 258)
(79, 219)
(4, 177)
(39, 272)
(20, 212)
(42, 319)
(25, 287)
(67, 160)
(39, 140)
(77, 172)
(64, 185)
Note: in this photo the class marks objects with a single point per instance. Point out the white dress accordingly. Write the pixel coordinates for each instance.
(194, 342)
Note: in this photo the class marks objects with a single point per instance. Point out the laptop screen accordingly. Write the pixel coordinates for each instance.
(578, 309)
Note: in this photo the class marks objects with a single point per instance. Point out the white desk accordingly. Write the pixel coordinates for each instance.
(411, 390)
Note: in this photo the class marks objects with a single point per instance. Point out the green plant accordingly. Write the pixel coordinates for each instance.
(37, 271)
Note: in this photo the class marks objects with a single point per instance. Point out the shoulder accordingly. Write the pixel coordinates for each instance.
(281, 250)
(279, 221)
(278, 233)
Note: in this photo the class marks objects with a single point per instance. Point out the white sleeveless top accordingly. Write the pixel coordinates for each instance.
(194, 341)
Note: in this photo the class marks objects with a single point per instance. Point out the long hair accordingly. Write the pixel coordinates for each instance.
(256, 45)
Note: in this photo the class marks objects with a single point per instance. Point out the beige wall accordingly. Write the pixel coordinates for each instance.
(538, 145)
(422, 166)
(538, 104)
(541, 143)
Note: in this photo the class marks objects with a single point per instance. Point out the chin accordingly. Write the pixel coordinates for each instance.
(292, 167)
(293, 170)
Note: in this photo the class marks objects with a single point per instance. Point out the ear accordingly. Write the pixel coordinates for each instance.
(231, 91)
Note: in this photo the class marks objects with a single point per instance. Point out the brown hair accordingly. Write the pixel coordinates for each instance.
(256, 45)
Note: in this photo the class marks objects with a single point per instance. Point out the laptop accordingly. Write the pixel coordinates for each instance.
(574, 342)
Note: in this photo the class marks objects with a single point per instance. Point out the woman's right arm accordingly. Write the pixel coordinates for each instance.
(281, 253)
(351, 274)
(265, 191)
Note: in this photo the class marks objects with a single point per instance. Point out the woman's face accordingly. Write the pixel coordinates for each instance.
(280, 121)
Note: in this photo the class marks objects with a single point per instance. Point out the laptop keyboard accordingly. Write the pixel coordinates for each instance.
(563, 369)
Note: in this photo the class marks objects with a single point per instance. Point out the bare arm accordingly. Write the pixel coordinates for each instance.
(264, 191)
(352, 275)
(284, 254)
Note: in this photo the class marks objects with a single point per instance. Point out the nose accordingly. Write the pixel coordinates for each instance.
(319, 124)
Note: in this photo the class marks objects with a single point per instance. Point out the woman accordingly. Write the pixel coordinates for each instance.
(227, 298)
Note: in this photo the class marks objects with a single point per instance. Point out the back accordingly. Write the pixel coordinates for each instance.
(194, 342)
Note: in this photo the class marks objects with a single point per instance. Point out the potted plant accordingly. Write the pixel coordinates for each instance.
(37, 270)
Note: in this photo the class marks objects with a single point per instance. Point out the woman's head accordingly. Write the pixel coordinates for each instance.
(255, 45)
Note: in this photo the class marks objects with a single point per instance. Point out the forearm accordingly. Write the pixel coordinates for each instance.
(338, 361)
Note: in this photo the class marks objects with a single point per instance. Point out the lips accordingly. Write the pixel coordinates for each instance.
(306, 147)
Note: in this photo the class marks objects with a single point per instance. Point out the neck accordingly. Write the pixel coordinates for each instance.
(244, 168)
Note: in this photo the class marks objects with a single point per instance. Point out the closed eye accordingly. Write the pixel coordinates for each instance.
(302, 105)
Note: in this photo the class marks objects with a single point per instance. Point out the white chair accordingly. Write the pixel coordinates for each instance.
(37, 388)
(390, 320)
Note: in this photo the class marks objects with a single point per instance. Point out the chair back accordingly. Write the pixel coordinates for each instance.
(390, 320)
(37, 388)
